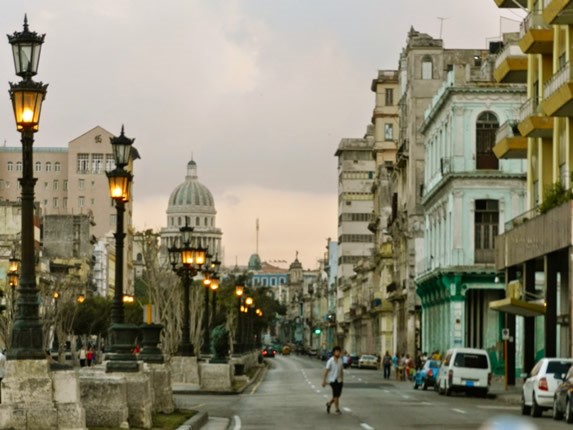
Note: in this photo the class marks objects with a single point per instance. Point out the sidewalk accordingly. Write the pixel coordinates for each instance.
(513, 393)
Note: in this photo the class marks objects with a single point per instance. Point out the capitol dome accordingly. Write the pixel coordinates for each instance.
(191, 194)
(191, 203)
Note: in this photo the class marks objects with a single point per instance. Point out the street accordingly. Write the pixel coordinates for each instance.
(290, 396)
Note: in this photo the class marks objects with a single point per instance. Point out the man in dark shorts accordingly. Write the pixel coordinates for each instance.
(333, 373)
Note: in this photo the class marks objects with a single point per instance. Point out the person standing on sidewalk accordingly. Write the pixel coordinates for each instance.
(333, 373)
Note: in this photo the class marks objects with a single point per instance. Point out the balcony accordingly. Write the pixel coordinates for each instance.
(484, 256)
(558, 11)
(533, 123)
(558, 92)
(534, 236)
(509, 143)
(536, 37)
(511, 65)
(511, 4)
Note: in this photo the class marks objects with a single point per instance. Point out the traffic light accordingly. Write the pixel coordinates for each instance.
(317, 330)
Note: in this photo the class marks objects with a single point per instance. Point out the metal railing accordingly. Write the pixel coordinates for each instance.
(508, 129)
(512, 49)
(529, 108)
(520, 219)
(533, 20)
(564, 75)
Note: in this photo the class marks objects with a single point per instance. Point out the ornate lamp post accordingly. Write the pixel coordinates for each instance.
(13, 280)
(214, 287)
(249, 303)
(209, 274)
(122, 335)
(27, 97)
(310, 322)
(55, 341)
(186, 261)
(239, 290)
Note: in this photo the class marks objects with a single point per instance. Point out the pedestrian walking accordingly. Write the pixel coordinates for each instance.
(387, 364)
(334, 374)
(83, 356)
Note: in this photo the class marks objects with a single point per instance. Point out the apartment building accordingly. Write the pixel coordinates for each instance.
(356, 172)
(385, 121)
(535, 249)
(468, 195)
(423, 66)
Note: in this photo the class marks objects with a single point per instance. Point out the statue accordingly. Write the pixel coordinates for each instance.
(219, 344)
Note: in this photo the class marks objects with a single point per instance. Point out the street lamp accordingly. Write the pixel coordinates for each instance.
(209, 274)
(249, 303)
(27, 97)
(122, 335)
(310, 325)
(55, 342)
(186, 261)
(239, 290)
(13, 280)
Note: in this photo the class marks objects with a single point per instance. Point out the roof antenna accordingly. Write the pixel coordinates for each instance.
(442, 19)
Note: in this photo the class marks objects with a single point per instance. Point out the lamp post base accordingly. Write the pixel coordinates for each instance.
(123, 341)
(186, 350)
(150, 353)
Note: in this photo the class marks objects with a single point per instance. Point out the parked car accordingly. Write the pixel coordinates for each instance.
(464, 369)
(354, 360)
(366, 360)
(539, 388)
(268, 352)
(426, 376)
(563, 399)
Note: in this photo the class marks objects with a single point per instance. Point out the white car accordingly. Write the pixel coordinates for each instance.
(464, 369)
(539, 387)
(368, 361)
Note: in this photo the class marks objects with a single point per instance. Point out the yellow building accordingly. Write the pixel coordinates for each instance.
(535, 249)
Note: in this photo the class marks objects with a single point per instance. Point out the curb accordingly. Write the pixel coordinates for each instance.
(256, 378)
(196, 422)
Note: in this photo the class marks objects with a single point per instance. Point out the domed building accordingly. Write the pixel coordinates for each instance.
(192, 201)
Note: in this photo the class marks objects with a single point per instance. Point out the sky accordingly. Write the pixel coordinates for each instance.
(258, 92)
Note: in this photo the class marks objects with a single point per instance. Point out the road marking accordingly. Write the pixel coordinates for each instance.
(199, 406)
(426, 403)
(366, 426)
(386, 391)
(318, 391)
(360, 379)
(503, 408)
(237, 423)
(347, 409)
(405, 396)
(459, 411)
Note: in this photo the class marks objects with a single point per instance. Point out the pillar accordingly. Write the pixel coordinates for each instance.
(529, 322)
(550, 268)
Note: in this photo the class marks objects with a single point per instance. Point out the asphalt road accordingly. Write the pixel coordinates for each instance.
(290, 397)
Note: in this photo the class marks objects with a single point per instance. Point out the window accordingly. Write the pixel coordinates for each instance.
(65, 185)
(92, 202)
(10, 166)
(97, 163)
(65, 202)
(55, 185)
(206, 222)
(38, 166)
(388, 131)
(389, 97)
(486, 229)
(273, 281)
(109, 162)
(486, 126)
(197, 221)
(18, 166)
(81, 201)
(57, 166)
(45, 185)
(48, 166)
(427, 68)
(81, 184)
(55, 202)
(83, 163)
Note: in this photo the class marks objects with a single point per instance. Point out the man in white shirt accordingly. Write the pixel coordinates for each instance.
(334, 374)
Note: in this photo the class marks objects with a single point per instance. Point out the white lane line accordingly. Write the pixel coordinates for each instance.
(502, 408)
(427, 404)
(366, 426)
(347, 409)
(318, 391)
(237, 423)
(459, 411)
(360, 379)
(386, 391)
(405, 396)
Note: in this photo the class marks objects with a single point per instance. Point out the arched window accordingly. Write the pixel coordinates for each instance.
(139, 257)
(38, 166)
(57, 166)
(206, 222)
(427, 67)
(178, 220)
(10, 166)
(48, 166)
(18, 166)
(197, 222)
(486, 126)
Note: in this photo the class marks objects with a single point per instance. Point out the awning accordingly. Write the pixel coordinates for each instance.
(511, 305)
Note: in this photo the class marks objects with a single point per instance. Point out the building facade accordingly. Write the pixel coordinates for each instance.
(468, 197)
(535, 249)
(423, 65)
(356, 171)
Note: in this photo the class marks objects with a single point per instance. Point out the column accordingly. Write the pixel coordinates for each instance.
(529, 322)
(550, 268)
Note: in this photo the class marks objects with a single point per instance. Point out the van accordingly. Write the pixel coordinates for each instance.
(465, 370)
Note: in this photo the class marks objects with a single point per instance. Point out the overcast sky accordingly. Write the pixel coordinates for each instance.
(259, 91)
